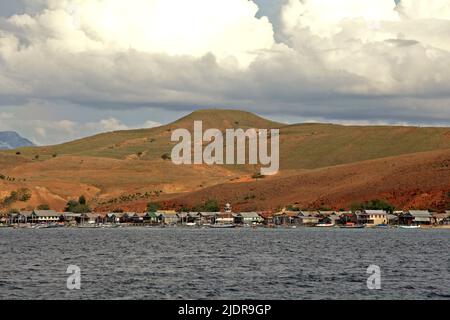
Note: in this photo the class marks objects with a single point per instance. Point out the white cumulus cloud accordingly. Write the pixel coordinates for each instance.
(345, 61)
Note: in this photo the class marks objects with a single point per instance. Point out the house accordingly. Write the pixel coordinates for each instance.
(440, 218)
(183, 217)
(308, 221)
(134, 217)
(168, 218)
(70, 217)
(248, 218)
(268, 218)
(27, 214)
(193, 217)
(152, 218)
(420, 217)
(14, 218)
(325, 214)
(94, 218)
(361, 217)
(392, 219)
(225, 218)
(45, 216)
(348, 217)
(331, 219)
(114, 217)
(309, 213)
(376, 217)
(4, 218)
(283, 218)
(207, 217)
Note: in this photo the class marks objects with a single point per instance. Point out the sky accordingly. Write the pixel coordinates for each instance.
(73, 68)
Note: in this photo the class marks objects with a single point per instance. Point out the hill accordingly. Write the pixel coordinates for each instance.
(12, 140)
(126, 168)
(419, 180)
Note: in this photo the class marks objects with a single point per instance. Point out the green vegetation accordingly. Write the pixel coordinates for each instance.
(79, 206)
(20, 195)
(292, 208)
(209, 206)
(305, 146)
(153, 207)
(166, 156)
(43, 207)
(132, 197)
(373, 205)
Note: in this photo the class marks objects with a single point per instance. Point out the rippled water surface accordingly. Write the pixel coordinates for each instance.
(177, 263)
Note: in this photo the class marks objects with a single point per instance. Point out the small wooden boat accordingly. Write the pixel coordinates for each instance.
(191, 224)
(381, 226)
(353, 226)
(325, 225)
(222, 226)
(409, 227)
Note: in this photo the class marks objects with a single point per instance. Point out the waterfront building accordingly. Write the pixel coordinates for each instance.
(376, 217)
(168, 218)
(418, 217)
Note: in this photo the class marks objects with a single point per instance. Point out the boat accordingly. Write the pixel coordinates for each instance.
(222, 226)
(382, 226)
(409, 227)
(353, 226)
(325, 225)
(53, 226)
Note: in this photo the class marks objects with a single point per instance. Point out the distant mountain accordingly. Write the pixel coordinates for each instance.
(12, 140)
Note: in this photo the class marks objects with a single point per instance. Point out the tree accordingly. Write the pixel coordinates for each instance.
(211, 206)
(43, 207)
(166, 156)
(82, 200)
(23, 194)
(77, 207)
(375, 204)
(152, 207)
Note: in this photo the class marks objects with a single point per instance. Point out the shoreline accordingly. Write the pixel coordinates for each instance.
(200, 227)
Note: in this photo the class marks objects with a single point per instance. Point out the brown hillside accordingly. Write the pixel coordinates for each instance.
(420, 180)
(320, 163)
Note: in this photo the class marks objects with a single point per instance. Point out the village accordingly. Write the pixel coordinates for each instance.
(228, 219)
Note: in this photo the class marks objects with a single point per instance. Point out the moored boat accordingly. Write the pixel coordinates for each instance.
(325, 225)
(222, 226)
(409, 227)
(353, 226)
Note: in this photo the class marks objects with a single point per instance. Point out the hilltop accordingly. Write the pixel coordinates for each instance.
(126, 168)
(12, 140)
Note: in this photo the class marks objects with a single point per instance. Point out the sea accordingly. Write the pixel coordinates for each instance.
(142, 263)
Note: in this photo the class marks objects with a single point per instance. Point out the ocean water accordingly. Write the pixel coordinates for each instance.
(241, 263)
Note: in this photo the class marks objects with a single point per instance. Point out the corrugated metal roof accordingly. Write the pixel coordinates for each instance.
(250, 215)
(420, 213)
(375, 212)
(46, 213)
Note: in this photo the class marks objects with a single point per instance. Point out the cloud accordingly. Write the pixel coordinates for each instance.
(349, 60)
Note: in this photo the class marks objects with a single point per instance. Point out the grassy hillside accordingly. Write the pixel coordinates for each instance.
(420, 181)
(309, 146)
(128, 164)
(302, 146)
